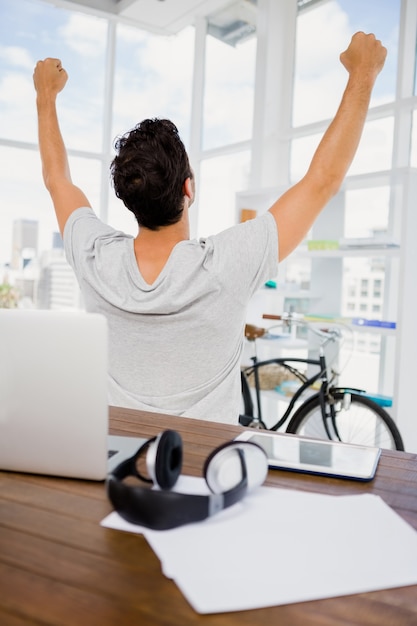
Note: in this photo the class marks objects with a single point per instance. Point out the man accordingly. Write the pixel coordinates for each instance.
(176, 307)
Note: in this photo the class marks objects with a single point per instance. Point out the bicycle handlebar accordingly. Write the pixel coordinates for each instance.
(329, 334)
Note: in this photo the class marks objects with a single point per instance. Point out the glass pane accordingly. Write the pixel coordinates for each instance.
(367, 212)
(359, 358)
(363, 287)
(82, 103)
(302, 151)
(153, 78)
(229, 92)
(120, 217)
(363, 297)
(374, 152)
(364, 282)
(86, 174)
(322, 33)
(297, 275)
(22, 196)
(375, 149)
(27, 209)
(220, 179)
(32, 30)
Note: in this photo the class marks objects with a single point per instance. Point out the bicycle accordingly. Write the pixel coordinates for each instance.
(339, 413)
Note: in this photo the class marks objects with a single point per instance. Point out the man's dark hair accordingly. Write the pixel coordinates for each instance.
(149, 171)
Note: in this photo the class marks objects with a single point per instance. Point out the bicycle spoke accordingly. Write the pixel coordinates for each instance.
(358, 421)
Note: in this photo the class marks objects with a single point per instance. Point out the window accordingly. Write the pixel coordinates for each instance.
(153, 78)
(31, 30)
(366, 212)
(318, 70)
(374, 152)
(229, 92)
(375, 346)
(377, 292)
(219, 179)
(70, 36)
(364, 288)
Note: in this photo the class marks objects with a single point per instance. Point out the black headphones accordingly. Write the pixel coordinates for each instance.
(230, 472)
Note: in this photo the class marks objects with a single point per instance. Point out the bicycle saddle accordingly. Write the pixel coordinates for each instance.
(254, 332)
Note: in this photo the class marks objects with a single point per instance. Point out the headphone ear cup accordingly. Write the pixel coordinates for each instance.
(164, 459)
(223, 468)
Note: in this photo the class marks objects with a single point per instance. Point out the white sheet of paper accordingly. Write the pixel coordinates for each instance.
(281, 546)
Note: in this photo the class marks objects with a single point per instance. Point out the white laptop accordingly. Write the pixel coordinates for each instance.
(53, 395)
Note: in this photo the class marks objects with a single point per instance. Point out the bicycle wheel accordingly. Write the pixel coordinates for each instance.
(359, 420)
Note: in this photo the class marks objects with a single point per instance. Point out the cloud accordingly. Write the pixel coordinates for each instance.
(17, 99)
(17, 121)
(15, 87)
(153, 77)
(229, 81)
(84, 34)
(16, 57)
(374, 152)
(319, 75)
(319, 55)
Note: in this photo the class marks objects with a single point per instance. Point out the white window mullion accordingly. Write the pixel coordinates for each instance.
(276, 29)
(405, 84)
(107, 118)
(196, 130)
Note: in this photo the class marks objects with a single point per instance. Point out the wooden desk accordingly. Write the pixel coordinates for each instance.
(59, 567)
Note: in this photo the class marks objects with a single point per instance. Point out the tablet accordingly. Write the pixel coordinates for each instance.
(315, 456)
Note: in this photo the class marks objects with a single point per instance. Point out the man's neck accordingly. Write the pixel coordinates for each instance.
(153, 247)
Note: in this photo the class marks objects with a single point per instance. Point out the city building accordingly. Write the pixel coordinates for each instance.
(24, 242)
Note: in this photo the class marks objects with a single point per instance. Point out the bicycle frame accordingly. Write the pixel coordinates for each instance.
(322, 373)
(323, 393)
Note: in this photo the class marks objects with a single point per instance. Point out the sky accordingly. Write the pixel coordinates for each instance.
(153, 78)
(319, 75)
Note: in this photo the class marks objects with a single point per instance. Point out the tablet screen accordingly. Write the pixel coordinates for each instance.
(316, 456)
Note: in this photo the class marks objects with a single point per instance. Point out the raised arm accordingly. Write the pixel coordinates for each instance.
(49, 79)
(296, 210)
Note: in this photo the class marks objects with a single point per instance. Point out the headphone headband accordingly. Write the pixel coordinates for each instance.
(164, 509)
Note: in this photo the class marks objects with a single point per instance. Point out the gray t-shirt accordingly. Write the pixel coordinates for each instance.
(174, 345)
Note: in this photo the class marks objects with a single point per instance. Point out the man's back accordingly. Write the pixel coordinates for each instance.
(175, 344)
